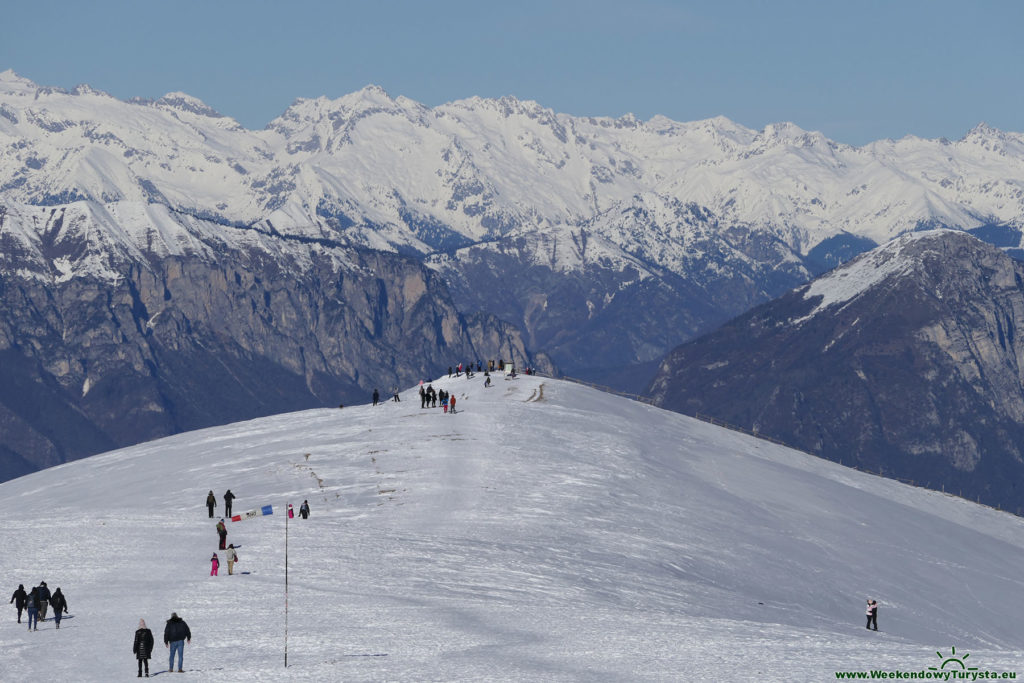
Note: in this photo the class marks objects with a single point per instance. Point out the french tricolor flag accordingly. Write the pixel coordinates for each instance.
(265, 510)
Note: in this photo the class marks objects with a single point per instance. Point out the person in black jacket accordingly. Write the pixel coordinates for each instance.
(211, 502)
(18, 599)
(175, 634)
(59, 604)
(43, 594)
(143, 647)
(228, 497)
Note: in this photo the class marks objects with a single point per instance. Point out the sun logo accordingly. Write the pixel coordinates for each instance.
(953, 660)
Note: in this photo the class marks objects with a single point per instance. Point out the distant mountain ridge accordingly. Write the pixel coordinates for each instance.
(907, 360)
(497, 190)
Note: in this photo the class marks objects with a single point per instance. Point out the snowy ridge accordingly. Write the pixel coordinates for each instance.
(395, 174)
(90, 240)
(866, 271)
(545, 532)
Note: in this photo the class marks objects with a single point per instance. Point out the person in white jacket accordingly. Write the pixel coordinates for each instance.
(231, 556)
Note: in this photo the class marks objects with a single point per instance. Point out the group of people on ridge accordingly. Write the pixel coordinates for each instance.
(430, 397)
(36, 602)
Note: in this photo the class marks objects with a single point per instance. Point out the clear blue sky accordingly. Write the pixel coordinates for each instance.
(858, 70)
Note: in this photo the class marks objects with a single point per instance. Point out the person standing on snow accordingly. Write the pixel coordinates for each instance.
(228, 497)
(304, 509)
(19, 598)
(143, 646)
(222, 532)
(176, 632)
(59, 604)
(211, 502)
(231, 556)
(872, 614)
(451, 404)
(43, 593)
(376, 396)
(214, 565)
(423, 397)
(32, 605)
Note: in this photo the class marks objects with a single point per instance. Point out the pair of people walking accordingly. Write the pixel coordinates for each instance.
(176, 633)
(211, 502)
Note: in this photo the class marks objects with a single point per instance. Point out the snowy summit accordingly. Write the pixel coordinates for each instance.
(544, 532)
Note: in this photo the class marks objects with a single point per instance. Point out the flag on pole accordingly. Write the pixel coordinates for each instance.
(265, 510)
(291, 513)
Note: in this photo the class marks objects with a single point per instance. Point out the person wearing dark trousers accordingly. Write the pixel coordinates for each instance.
(211, 502)
(32, 605)
(222, 533)
(176, 632)
(376, 397)
(143, 646)
(44, 599)
(19, 598)
(872, 614)
(304, 510)
(228, 497)
(59, 605)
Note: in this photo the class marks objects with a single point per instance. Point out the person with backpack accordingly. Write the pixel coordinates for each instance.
(19, 598)
(143, 646)
(231, 556)
(872, 614)
(59, 604)
(32, 605)
(176, 632)
(304, 509)
(211, 502)
(228, 498)
(222, 533)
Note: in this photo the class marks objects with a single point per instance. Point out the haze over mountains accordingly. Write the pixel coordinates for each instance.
(160, 247)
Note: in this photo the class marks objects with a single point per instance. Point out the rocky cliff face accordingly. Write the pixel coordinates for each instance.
(908, 360)
(109, 344)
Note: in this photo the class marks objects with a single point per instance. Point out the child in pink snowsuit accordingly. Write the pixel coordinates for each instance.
(214, 564)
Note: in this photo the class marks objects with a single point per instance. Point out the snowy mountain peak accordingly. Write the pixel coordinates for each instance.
(187, 103)
(12, 83)
(901, 257)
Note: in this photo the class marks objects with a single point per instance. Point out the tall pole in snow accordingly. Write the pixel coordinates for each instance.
(286, 584)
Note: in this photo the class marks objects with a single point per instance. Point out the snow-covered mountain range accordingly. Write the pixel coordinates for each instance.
(500, 191)
(394, 171)
(159, 260)
(546, 532)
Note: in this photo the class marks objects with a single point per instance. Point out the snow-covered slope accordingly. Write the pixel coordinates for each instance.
(545, 532)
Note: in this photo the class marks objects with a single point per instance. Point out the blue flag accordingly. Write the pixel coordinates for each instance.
(267, 510)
